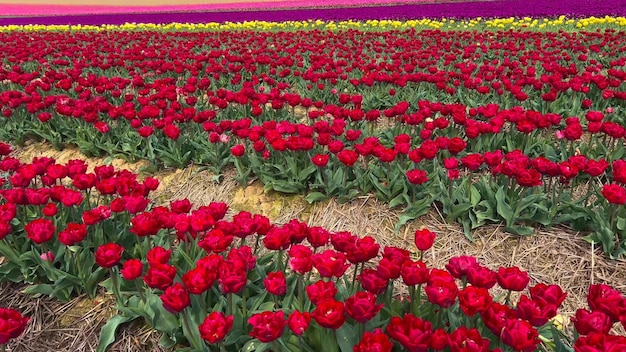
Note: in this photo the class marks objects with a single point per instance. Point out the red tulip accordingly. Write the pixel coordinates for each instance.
(108, 255)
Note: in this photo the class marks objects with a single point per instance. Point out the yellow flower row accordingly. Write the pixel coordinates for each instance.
(502, 23)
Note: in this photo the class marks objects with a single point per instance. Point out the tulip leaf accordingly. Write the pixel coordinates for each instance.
(347, 338)
(315, 197)
(504, 209)
(254, 345)
(458, 210)
(520, 230)
(474, 196)
(107, 334)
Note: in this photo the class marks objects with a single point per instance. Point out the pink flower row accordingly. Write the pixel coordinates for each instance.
(62, 9)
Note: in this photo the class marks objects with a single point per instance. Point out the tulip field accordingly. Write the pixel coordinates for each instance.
(511, 122)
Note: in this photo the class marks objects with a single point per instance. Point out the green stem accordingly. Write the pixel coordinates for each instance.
(229, 307)
(439, 320)
(116, 287)
(300, 292)
(244, 309)
(412, 299)
(300, 347)
(613, 216)
(389, 292)
(140, 290)
(279, 260)
(196, 344)
(418, 300)
(148, 244)
(354, 278)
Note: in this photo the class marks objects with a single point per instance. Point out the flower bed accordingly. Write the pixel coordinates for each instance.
(514, 127)
(528, 147)
(245, 283)
(237, 284)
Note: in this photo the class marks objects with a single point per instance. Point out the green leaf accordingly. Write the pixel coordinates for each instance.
(42, 289)
(457, 210)
(254, 345)
(314, 197)
(346, 338)
(398, 200)
(474, 196)
(621, 223)
(304, 174)
(415, 210)
(503, 208)
(107, 334)
(550, 153)
(520, 230)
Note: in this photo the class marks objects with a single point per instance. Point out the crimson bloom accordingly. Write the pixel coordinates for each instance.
(411, 332)
(465, 339)
(417, 177)
(372, 282)
(424, 239)
(614, 193)
(512, 278)
(414, 272)
(73, 234)
(441, 288)
(474, 299)
(40, 230)
(158, 255)
(299, 322)
(238, 150)
(348, 157)
(374, 341)
(321, 291)
(175, 298)
(587, 322)
(362, 306)
(215, 327)
(329, 314)
(458, 266)
(275, 283)
(605, 299)
(109, 255)
(300, 259)
(199, 279)
(330, 263)
(12, 324)
(132, 269)
(267, 326)
(320, 160)
(160, 276)
(520, 335)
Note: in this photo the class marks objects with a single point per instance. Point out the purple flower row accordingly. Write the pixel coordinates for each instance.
(497, 8)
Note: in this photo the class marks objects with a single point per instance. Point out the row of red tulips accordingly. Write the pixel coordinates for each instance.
(285, 157)
(238, 284)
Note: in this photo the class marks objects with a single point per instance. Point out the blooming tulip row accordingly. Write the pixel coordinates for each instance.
(245, 283)
(488, 128)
